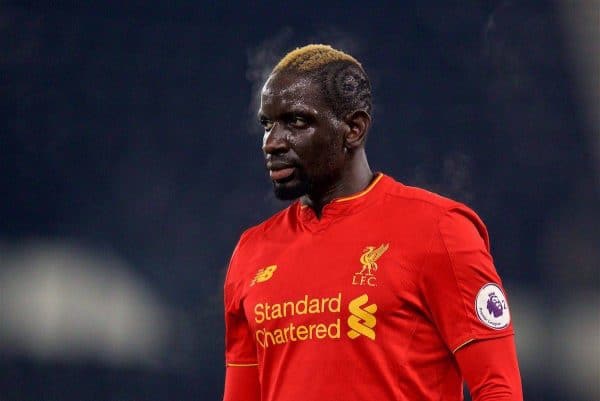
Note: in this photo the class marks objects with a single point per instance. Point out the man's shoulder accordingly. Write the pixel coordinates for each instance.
(278, 221)
(250, 243)
(427, 208)
(422, 211)
(406, 196)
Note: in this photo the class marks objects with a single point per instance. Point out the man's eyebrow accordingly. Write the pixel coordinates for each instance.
(292, 114)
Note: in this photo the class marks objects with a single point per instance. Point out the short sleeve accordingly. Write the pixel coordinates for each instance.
(463, 292)
(240, 349)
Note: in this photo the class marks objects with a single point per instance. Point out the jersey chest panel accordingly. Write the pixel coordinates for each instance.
(339, 290)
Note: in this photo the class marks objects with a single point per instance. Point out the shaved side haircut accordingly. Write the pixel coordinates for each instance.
(343, 80)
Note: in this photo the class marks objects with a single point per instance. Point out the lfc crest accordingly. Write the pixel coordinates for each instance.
(368, 260)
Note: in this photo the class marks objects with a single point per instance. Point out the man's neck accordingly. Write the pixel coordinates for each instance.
(355, 179)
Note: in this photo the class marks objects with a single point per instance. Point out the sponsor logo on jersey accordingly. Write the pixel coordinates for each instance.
(362, 318)
(263, 274)
(324, 327)
(368, 260)
(491, 307)
(281, 323)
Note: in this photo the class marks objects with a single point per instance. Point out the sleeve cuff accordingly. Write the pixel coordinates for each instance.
(233, 364)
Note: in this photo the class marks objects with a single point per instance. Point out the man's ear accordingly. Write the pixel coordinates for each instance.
(358, 123)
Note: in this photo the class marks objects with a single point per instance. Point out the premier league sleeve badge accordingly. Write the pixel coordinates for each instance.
(491, 307)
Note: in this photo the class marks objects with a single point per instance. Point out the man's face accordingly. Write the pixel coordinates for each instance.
(303, 141)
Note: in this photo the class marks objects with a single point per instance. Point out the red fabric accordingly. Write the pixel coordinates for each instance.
(241, 384)
(462, 264)
(368, 302)
(240, 345)
(491, 369)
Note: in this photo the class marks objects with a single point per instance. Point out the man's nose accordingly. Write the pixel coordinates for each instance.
(275, 140)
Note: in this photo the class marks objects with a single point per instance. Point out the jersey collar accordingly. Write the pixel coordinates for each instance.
(343, 206)
(363, 193)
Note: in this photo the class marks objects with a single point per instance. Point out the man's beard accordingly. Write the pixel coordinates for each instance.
(299, 185)
(286, 191)
(302, 184)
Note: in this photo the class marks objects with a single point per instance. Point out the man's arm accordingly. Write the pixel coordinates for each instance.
(241, 376)
(491, 369)
(241, 384)
(468, 305)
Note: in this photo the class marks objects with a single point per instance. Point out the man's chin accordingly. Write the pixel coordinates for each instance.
(289, 190)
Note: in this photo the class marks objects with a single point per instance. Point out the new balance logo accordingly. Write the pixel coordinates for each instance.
(263, 274)
(362, 319)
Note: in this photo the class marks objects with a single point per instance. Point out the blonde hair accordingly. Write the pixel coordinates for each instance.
(312, 57)
(344, 82)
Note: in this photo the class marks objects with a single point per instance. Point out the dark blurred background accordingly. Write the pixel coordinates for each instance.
(130, 163)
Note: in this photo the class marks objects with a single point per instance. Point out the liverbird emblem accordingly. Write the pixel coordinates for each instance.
(369, 258)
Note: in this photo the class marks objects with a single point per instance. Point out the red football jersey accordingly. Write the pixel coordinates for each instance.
(367, 303)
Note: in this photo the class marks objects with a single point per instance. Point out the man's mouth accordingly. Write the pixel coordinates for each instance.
(281, 174)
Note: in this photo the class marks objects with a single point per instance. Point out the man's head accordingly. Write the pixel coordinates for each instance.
(315, 108)
(344, 83)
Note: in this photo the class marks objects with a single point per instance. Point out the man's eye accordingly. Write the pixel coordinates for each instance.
(267, 124)
(299, 122)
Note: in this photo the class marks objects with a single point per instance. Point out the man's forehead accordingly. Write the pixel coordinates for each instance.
(289, 85)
